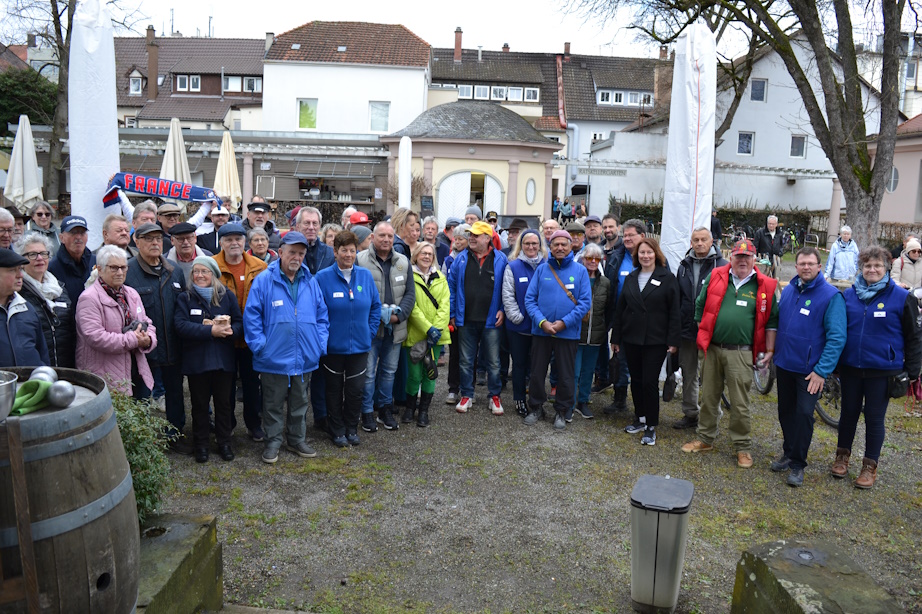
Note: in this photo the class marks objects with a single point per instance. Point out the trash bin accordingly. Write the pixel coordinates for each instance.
(659, 526)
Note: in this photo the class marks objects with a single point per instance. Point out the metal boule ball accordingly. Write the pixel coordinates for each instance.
(41, 375)
(61, 394)
(49, 370)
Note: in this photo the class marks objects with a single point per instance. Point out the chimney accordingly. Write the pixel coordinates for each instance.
(663, 52)
(566, 52)
(506, 48)
(270, 38)
(153, 69)
(458, 45)
(480, 53)
(30, 40)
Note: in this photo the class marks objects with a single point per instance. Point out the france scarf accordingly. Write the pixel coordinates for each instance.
(153, 186)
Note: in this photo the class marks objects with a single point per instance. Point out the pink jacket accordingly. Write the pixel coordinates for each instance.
(102, 347)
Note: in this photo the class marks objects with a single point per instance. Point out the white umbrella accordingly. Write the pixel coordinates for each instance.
(23, 186)
(175, 164)
(226, 180)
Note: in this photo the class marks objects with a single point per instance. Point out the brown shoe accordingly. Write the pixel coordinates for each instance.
(868, 474)
(839, 468)
(744, 460)
(697, 446)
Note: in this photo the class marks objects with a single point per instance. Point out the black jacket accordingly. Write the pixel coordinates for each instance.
(766, 245)
(613, 265)
(650, 317)
(208, 241)
(688, 293)
(275, 240)
(158, 294)
(201, 352)
(58, 325)
(70, 274)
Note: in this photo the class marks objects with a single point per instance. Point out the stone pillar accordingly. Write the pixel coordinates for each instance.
(247, 190)
(548, 186)
(512, 190)
(835, 210)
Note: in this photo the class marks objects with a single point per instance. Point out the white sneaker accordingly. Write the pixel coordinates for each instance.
(495, 406)
(161, 403)
(464, 404)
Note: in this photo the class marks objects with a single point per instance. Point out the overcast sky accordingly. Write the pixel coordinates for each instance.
(527, 25)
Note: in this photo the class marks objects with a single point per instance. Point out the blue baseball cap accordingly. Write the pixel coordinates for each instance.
(73, 221)
(293, 237)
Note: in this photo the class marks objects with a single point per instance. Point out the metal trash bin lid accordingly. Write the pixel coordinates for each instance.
(662, 494)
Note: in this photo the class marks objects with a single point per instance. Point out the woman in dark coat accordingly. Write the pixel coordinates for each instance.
(208, 356)
(594, 330)
(647, 326)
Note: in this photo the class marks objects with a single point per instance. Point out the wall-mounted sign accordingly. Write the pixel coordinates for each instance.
(425, 205)
(612, 172)
(265, 166)
(379, 193)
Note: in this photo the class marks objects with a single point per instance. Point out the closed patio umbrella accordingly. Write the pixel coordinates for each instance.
(23, 186)
(227, 181)
(175, 164)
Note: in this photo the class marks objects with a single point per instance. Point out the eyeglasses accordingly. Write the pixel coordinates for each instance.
(116, 268)
(6, 231)
(152, 237)
(169, 215)
(186, 239)
(42, 214)
(592, 259)
(201, 273)
(34, 255)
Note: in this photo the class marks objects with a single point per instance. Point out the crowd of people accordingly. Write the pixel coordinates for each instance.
(353, 322)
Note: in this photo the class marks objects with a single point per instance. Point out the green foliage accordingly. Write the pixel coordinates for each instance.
(145, 441)
(25, 92)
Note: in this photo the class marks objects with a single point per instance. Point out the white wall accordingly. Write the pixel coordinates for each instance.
(343, 92)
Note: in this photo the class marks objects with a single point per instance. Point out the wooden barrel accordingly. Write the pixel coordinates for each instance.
(84, 518)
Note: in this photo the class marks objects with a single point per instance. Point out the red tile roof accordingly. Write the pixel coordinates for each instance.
(10, 59)
(365, 43)
(910, 127)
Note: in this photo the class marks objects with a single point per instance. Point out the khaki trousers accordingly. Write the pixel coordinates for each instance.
(733, 369)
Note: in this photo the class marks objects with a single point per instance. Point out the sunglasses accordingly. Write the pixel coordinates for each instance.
(42, 214)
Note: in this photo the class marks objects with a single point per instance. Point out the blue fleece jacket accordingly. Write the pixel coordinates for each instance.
(349, 305)
(546, 300)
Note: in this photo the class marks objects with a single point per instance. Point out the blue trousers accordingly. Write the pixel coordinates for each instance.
(586, 356)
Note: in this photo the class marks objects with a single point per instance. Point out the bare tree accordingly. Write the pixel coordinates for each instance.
(418, 187)
(795, 31)
(52, 22)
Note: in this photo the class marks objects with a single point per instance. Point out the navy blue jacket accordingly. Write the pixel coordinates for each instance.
(201, 352)
(811, 327)
(319, 256)
(69, 274)
(22, 342)
(159, 294)
(349, 306)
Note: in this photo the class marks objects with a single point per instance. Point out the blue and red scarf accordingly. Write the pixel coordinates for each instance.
(154, 186)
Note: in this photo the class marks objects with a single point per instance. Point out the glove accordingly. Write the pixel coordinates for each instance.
(385, 314)
(433, 335)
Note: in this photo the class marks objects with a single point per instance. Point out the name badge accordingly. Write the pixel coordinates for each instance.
(625, 273)
(741, 303)
(805, 312)
(277, 303)
(139, 310)
(570, 286)
(242, 278)
(655, 282)
(176, 284)
(338, 295)
(195, 312)
(523, 279)
(398, 278)
(59, 304)
(880, 314)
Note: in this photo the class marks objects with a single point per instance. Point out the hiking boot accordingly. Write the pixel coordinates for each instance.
(464, 404)
(583, 410)
(599, 386)
(744, 460)
(685, 422)
(649, 436)
(386, 417)
(452, 398)
(496, 407)
(521, 408)
(560, 422)
(369, 425)
(697, 446)
(181, 445)
(868, 474)
(422, 418)
(353, 438)
(839, 468)
(781, 464)
(796, 477)
(409, 413)
(302, 449)
(619, 401)
(669, 388)
(533, 417)
(635, 427)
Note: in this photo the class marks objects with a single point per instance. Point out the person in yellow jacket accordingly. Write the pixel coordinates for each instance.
(428, 323)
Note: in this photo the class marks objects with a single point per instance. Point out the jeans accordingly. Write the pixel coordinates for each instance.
(875, 393)
(277, 389)
(383, 358)
(520, 350)
(795, 414)
(345, 379)
(586, 358)
(471, 337)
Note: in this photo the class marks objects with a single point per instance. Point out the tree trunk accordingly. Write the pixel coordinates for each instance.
(59, 128)
(862, 213)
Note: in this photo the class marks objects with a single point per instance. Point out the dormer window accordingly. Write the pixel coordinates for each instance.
(531, 94)
(604, 97)
(341, 48)
(135, 86)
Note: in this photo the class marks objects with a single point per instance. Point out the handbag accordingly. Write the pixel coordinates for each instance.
(419, 351)
(898, 385)
(569, 294)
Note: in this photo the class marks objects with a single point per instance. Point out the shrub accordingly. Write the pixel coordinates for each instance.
(145, 440)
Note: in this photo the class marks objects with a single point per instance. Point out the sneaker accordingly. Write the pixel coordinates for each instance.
(496, 407)
(600, 386)
(353, 439)
(636, 427)
(649, 436)
(568, 417)
(553, 395)
(452, 398)
(464, 404)
(669, 388)
(685, 423)
(521, 408)
(533, 417)
(302, 449)
(744, 460)
(781, 464)
(697, 446)
(258, 434)
(161, 403)
(796, 477)
(340, 441)
(270, 455)
(369, 425)
(583, 410)
(386, 417)
(560, 422)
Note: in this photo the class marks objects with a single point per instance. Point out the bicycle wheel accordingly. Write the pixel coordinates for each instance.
(829, 405)
(764, 379)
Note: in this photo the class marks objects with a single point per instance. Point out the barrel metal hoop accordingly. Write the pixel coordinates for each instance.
(75, 519)
(64, 446)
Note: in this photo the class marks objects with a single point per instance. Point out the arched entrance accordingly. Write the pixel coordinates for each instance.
(458, 191)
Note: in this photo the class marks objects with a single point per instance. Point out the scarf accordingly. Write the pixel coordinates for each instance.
(49, 287)
(205, 293)
(119, 297)
(153, 186)
(865, 292)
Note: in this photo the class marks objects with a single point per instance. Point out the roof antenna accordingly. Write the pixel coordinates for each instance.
(171, 22)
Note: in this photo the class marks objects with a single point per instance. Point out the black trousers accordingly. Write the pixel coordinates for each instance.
(454, 364)
(564, 351)
(172, 386)
(795, 413)
(204, 388)
(345, 378)
(644, 362)
(252, 391)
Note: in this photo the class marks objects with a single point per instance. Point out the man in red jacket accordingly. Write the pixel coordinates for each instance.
(737, 318)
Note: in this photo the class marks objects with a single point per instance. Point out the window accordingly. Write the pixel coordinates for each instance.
(798, 146)
(481, 92)
(618, 98)
(195, 83)
(604, 97)
(378, 113)
(465, 91)
(231, 84)
(497, 93)
(910, 70)
(647, 99)
(757, 90)
(514, 94)
(894, 180)
(598, 136)
(134, 86)
(531, 94)
(744, 143)
(182, 83)
(252, 84)
(307, 113)
(633, 98)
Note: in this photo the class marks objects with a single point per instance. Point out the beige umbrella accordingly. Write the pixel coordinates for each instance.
(175, 164)
(23, 186)
(226, 180)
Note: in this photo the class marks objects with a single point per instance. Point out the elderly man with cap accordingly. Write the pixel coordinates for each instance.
(593, 226)
(209, 241)
(73, 264)
(448, 233)
(258, 217)
(168, 215)
(516, 226)
(363, 233)
(476, 282)
(737, 316)
(357, 219)
(577, 239)
(144, 213)
(159, 282)
(472, 214)
(238, 272)
(184, 250)
(22, 342)
(558, 297)
(287, 327)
